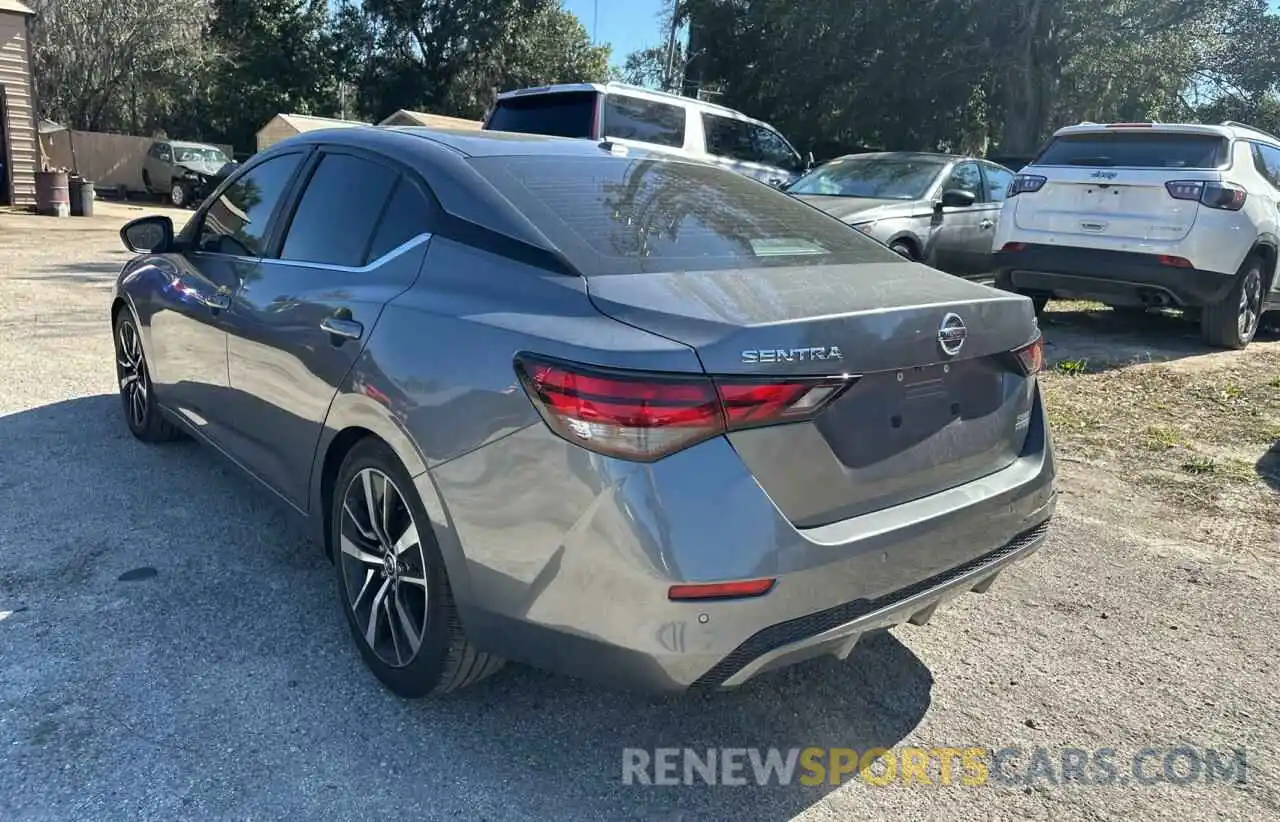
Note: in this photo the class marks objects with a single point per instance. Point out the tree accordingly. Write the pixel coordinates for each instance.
(116, 64)
(450, 57)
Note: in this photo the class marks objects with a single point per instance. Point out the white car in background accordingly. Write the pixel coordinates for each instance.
(652, 120)
(1143, 215)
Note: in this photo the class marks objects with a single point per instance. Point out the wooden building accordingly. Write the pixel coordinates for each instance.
(283, 126)
(404, 117)
(19, 146)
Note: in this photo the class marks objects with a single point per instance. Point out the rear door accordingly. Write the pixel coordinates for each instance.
(1112, 183)
(355, 240)
(763, 287)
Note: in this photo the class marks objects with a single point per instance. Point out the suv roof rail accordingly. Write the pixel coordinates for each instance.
(1247, 127)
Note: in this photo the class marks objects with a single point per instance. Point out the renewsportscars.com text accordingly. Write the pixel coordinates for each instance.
(969, 766)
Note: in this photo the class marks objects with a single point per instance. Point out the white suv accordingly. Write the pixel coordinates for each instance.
(651, 120)
(1139, 215)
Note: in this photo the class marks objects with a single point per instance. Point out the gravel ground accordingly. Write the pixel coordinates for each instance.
(224, 685)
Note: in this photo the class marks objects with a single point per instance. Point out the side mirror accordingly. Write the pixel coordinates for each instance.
(152, 234)
(957, 198)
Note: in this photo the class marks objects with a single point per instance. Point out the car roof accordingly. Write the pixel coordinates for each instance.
(904, 155)
(634, 91)
(1227, 128)
(187, 144)
(443, 159)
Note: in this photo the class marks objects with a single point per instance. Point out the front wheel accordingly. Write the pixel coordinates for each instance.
(1232, 322)
(178, 195)
(904, 249)
(392, 581)
(137, 397)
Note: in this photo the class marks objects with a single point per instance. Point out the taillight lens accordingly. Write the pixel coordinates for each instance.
(1031, 356)
(643, 416)
(1225, 196)
(1025, 184)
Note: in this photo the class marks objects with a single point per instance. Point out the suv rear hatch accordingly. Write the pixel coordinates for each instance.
(555, 113)
(765, 288)
(1111, 182)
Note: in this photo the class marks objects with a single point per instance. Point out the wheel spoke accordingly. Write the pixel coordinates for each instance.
(364, 532)
(408, 539)
(371, 630)
(406, 624)
(352, 550)
(391, 628)
(387, 510)
(364, 589)
(418, 581)
(371, 505)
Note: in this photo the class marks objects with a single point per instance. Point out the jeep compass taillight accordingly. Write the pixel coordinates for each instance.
(1225, 196)
(1025, 184)
(643, 416)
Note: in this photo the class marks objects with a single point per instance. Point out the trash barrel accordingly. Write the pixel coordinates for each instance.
(53, 199)
(82, 195)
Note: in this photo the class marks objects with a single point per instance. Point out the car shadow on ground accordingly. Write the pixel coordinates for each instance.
(1102, 339)
(1269, 466)
(177, 622)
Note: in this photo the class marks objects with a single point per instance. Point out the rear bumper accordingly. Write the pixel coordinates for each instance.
(1106, 276)
(571, 574)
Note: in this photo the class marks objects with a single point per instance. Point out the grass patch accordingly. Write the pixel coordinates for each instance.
(1194, 438)
(1072, 368)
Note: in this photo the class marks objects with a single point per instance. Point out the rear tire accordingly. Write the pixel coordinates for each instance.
(904, 249)
(392, 580)
(1233, 322)
(137, 393)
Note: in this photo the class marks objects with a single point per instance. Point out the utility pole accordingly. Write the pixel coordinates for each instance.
(595, 22)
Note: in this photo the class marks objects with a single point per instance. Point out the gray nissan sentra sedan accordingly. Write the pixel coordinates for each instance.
(620, 416)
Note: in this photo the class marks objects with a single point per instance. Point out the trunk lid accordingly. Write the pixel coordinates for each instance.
(915, 422)
(1110, 181)
(1123, 203)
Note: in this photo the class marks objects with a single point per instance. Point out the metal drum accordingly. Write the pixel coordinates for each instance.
(53, 194)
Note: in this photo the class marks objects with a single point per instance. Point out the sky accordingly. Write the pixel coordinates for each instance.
(626, 24)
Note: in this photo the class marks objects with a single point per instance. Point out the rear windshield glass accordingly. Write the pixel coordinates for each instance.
(564, 114)
(1152, 149)
(619, 215)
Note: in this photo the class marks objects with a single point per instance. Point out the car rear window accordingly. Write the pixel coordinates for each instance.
(627, 215)
(1135, 149)
(560, 114)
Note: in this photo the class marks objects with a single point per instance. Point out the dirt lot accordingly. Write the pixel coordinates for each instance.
(170, 646)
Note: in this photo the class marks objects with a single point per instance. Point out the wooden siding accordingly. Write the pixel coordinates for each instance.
(15, 77)
(283, 126)
(404, 117)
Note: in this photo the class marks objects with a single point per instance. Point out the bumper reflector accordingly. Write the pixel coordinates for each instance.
(721, 590)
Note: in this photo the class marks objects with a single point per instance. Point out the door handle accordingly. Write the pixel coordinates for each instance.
(345, 329)
(986, 224)
(218, 302)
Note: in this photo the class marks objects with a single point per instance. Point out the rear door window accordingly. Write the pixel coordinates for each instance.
(747, 142)
(647, 121)
(335, 218)
(998, 180)
(1135, 149)
(561, 114)
(615, 215)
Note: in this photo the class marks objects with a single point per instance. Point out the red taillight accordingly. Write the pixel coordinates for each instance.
(1031, 356)
(1013, 247)
(721, 590)
(1225, 196)
(1025, 184)
(1175, 262)
(643, 416)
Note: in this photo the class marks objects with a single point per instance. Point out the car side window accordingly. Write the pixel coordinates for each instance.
(236, 223)
(966, 177)
(772, 149)
(339, 209)
(728, 137)
(163, 153)
(408, 215)
(998, 180)
(646, 121)
(1267, 160)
